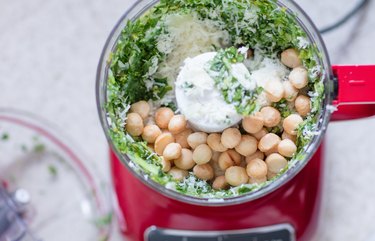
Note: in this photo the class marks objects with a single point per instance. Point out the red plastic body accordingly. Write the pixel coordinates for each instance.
(355, 93)
(296, 203)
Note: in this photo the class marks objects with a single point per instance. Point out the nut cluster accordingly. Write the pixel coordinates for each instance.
(237, 155)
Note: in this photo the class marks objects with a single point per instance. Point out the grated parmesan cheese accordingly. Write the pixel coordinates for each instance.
(269, 69)
(187, 36)
(264, 69)
(303, 43)
(171, 186)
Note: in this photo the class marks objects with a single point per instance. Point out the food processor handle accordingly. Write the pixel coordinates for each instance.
(355, 92)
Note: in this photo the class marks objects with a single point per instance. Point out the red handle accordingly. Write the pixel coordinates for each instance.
(356, 92)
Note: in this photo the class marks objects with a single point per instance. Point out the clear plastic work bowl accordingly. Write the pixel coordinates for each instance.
(137, 10)
(67, 199)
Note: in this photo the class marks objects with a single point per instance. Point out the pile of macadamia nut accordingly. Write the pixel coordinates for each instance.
(238, 155)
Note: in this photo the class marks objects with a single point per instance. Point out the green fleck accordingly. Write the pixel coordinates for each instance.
(188, 85)
(39, 148)
(52, 170)
(5, 136)
(283, 107)
(244, 189)
(104, 220)
(278, 130)
(104, 238)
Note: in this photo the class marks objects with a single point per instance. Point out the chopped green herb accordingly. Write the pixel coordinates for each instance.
(104, 220)
(232, 91)
(39, 147)
(5, 136)
(132, 62)
(52, 170)
(278, 130)
(104, 238)
(188, 85)
(283, 107)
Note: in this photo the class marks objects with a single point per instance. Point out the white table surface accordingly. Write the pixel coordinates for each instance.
(49, 51)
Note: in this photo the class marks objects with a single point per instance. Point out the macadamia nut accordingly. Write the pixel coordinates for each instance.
(162, 141)
(214, 141)
(291, 123)
(220, 183)
(290, 92)
(229, 158)
(303, 105)
(260, 134)
(181, 138)
(299, 77)
(268, 142)
(248, 145)
(150, 133)
(271, 116)
(231, 137)
(256, 155)
(275, 163)
(162, 117)
(204, 172)
(185, 161)
(134, 124)
(202, 154)
(287, 148)
(290, 58)
(274, 91)
(177, 124)
(253, 123)
(196, 139)
(257, 169)
(141, 107)
(236, 176)
(172, 151)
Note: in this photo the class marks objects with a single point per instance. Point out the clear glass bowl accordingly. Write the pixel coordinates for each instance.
(68, 200)
(137, 10)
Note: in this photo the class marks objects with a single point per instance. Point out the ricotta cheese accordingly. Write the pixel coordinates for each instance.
(200, 101)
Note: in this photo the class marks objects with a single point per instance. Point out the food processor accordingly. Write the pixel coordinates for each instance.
(285, 210)
(46, 191)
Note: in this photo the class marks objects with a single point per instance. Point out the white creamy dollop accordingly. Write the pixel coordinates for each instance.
(200, 101)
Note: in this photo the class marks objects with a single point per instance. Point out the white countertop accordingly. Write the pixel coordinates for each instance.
(49, 51)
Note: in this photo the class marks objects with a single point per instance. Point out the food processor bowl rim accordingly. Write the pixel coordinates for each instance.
(101, 98)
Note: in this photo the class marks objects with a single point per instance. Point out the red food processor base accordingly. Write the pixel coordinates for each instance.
(294, 205)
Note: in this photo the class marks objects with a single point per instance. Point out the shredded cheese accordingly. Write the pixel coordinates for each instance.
(187, 36)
